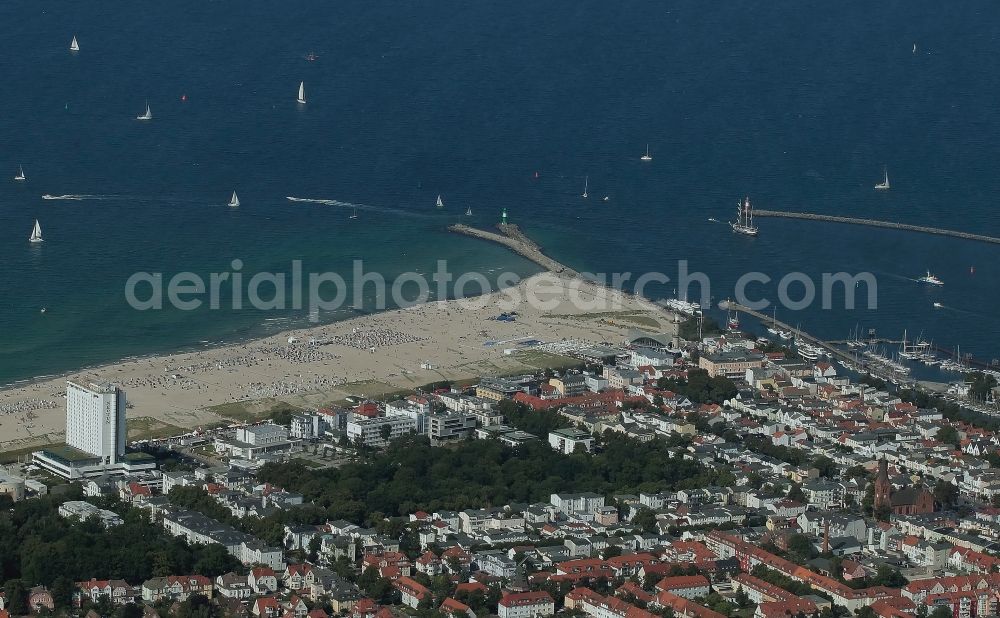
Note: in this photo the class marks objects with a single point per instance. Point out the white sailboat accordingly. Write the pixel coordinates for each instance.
(773, 328)
(148, 115)
(468, 211)
(646, 157)
(74, 46)
(36, 233)
(234, 201)
(586, 184)
(20, 174)
(302, 92)
(440, 203)
(884, 185)
(355, 214)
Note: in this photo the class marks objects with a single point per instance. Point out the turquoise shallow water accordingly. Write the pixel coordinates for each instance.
(799, 104)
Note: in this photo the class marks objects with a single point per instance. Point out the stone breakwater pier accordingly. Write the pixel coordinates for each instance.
(875, 223)
(514, 239)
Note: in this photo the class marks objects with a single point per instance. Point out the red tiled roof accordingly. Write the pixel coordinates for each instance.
(427, 558)
(790, 607)
(410, 586)
(802, 574)
(364, 606)
(452, 606)
(521, 599)
(607, 605)
(628, 560)
(897, 607)
(471, 587)
(682, 582)
(139, 490)
(767, 589)
(682, 606)
(635, 590)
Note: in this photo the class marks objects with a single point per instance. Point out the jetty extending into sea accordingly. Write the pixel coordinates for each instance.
(728, 305)
(876, 223)
(514, 239)
(511, 236)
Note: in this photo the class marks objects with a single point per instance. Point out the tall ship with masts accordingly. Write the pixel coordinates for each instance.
(744, 219)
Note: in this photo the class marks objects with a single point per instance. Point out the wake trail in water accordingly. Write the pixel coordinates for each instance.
(133, 199)
(106, 198)
(367, 207)
(940, 307)
(882, 273)
(71, 197)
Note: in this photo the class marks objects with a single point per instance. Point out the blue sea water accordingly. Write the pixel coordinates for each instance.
(798, 104)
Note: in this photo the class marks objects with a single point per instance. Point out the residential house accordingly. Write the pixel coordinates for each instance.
(233, 586)
(263, 580)
(411, 591)
(526, 605)
(687, 586)
(175, 588)
(267, 607)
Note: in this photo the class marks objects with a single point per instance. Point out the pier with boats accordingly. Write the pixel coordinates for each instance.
(887, 359)
(880, 357)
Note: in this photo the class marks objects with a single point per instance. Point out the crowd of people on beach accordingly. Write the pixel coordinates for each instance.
(368, 339)
(280, 388)
(27, 405)
(161, 382)
(255, 355)
(297, 353)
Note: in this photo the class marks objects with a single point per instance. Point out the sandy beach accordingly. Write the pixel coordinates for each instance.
(383, 352)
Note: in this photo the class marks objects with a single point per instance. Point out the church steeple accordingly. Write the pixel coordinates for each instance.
(883, 487)
(519, 583)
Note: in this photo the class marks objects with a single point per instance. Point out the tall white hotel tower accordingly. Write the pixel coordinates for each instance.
(95, 420)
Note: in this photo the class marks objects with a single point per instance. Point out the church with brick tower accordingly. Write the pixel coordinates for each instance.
(909, 500)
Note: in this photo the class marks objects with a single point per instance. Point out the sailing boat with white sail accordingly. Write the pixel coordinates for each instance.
(302, 92)
(884, 185)
(646, 157)
(468, 211)
(234, 201)
(148, 115)
(440, 203)
(36, 233)
(586, 185)
(74, 46)
(20, 174)
(355, 214)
